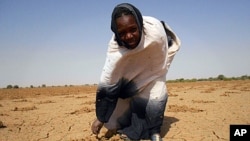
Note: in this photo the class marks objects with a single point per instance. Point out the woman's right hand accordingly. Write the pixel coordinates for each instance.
(96, 126)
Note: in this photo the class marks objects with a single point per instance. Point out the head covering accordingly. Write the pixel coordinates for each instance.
(138, 17)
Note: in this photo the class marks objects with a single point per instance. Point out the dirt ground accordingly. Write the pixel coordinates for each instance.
(196, 111)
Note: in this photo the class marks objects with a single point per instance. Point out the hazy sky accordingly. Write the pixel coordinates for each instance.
(64, 42)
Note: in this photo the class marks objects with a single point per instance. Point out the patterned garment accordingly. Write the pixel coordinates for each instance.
(132, 95)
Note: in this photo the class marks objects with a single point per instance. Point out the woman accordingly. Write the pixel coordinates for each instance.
(132, 96)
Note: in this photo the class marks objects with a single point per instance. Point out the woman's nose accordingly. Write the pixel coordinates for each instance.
(129, 36)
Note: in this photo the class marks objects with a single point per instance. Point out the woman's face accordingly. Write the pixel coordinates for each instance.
(128, 31)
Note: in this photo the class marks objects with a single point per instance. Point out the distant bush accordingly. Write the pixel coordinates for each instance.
(220, 77)
(9, 87)
(244, 77)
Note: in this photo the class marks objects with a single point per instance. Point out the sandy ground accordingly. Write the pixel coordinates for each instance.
(196, 111)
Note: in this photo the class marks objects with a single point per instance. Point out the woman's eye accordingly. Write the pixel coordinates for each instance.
(122, 34)
(133, 29)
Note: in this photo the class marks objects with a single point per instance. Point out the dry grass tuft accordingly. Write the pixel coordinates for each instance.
(202, 101)
(25, 108)
(83, 110)
(184, 108)
(172, 95)
(46, 102)
(209, 90)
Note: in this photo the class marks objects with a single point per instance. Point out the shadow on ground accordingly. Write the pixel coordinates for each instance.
(167, 124)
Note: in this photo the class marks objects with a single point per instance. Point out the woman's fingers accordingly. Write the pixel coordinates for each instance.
(96, 126)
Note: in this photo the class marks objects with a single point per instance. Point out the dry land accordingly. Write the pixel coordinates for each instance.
(196, 111)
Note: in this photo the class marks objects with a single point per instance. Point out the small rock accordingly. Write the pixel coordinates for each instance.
(2, 125)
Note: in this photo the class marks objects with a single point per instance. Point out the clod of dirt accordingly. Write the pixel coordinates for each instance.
(2, 125)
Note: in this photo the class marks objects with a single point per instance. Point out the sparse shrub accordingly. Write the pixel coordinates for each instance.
(194, 80)
(9, 87)
(244, 77)
(202, 79)
(181, 79)
(221, 77)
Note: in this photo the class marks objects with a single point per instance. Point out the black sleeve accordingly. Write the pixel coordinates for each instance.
(169, 34)
(107, 97)
(106, 100)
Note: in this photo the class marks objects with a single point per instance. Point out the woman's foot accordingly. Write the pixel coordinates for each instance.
(125, 137)
(156, 137)
(110, 133)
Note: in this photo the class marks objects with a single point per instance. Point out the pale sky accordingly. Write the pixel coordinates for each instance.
(64, 42)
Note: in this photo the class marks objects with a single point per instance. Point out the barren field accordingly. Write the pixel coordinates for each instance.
(196, 111)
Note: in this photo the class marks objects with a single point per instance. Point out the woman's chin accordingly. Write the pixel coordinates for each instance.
(132, 45)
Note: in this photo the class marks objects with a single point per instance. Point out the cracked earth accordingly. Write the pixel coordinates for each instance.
(196, 111)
